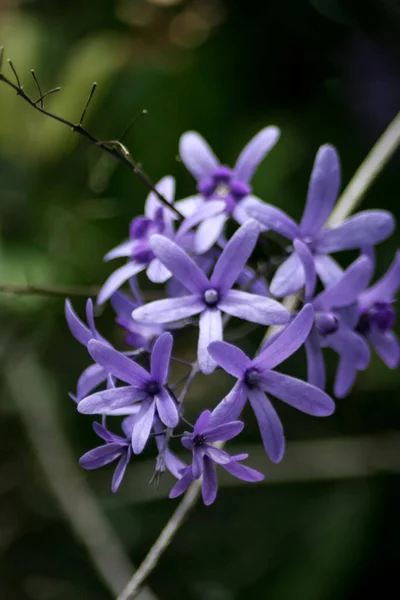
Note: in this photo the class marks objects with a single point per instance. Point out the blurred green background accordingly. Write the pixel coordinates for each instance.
(324, 525)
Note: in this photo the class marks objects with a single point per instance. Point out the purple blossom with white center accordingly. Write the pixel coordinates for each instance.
(377, 315)
(363, 229)
(206, 456)
(256, 378)
(213, 296)
(336, 317)
(224, 192)
(157, 219)
(115, 448)
(94, 375)
(150, 389)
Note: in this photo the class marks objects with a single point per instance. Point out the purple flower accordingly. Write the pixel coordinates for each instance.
(157, 219)
(206, 455)
(377, 315)
(94, 375)
(150, 389)
(115, 448)
(210, 297)
(363, 229)
(223, 191)
(256, 377)
(336, 316)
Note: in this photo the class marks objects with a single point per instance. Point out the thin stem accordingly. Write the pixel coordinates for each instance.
(53, 291)
(351, 197)
(162, 542)
(367, 172)
(113, 148)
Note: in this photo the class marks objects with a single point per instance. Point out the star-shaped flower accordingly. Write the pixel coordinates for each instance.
(150, 389)
(256, 378)
(213, 296)
(206, 456)
(362, 229)
(223, 191)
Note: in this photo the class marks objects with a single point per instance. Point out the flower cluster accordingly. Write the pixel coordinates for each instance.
(211, 278)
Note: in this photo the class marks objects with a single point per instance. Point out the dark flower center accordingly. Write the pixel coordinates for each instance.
(153, 388)
(380, 315)
(326, 323)
(141, 229)
(252, 378)
(211, 297)
(222, 185)
(199, 440)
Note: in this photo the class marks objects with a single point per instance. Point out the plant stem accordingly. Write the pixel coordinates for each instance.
(367, 172)
(362, 179)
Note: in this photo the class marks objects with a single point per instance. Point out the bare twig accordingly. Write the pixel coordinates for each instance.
(114, 149)
(34, 400)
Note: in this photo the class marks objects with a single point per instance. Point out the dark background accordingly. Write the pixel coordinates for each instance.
(324, 525)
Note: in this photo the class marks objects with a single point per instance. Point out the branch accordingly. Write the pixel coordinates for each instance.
(115, 148)
(56, 291)
(26, 381)
(375, 161)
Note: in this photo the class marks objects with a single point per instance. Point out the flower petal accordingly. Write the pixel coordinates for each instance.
(231, 406)
(327, 268)
(91, 377)
(160, 358)
(217, 455)
(230, 358)
(322, 191)
(120, 470)
(188, 206)
(387, 347)
(117, 278)
(269, 423)
(205, 211)
(299, 394)
(241, 211)
(254, 152)
(242, 472)
(287, 342)
(235, 256)
(166, 409)
(208, 233)
(168, 310)
(117, 364)
(289, 277)
(345, 377)
(157, 272)
(202, 422)
(307, 260)
(101, 403)
(166, 187)
(210, 485)
(346, 289)
(124, 249)
(386, 287)
(182, 485)
(272, 218)
(197, 155)
(351, 345)
(197, 464)
(142, 425)
(223, 432)
(210, 330)
(254, 308)
(315, 361)
(100, 456)
(366, 228)
(78, 329)
(179, 263)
